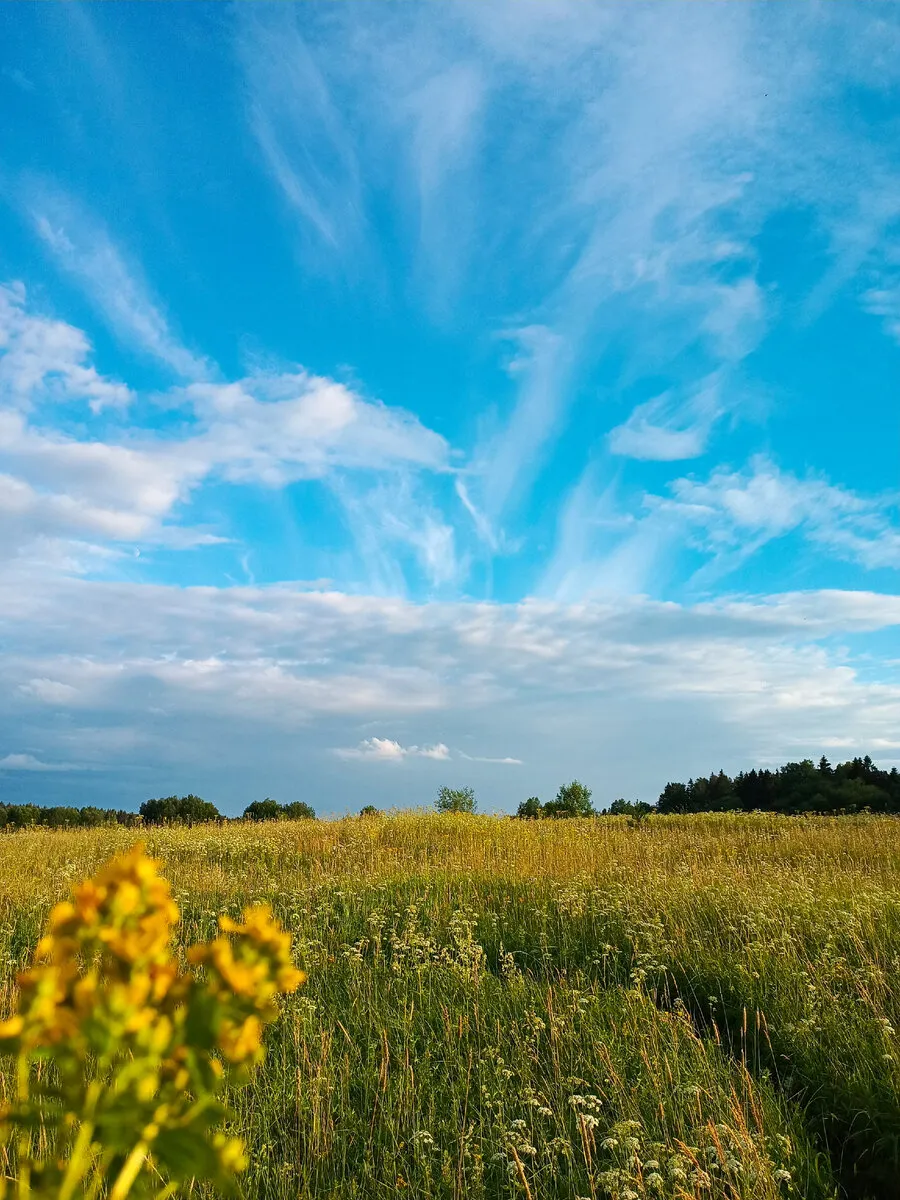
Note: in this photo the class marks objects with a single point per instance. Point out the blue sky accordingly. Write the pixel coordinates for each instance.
(395, 395)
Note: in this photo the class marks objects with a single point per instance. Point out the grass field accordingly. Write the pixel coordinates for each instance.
(688, 1007)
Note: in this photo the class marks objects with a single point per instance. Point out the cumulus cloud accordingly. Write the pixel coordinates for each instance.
(110, 487)
(377, 749)
(386, 750)
(42, 359)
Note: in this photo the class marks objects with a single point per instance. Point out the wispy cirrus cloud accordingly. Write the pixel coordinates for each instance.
(83, 249)
(670, 427)
(274, 428)
(668, 142)
(301, 131)
(882, 297)
(483, 758)
(604, 546)
(737, 512)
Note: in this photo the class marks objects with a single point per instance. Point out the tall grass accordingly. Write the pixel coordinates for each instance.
(694, 1006)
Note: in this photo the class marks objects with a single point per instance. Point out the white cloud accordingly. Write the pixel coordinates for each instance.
(512, 458)
(440, 116)
(739, 511)
(508, 762)
(606, 546)
(57, 487)
(301, 131)
(42, 360)
(377, 749)
(27, 762)
(883, 299)
(479, 520)
(245, 688)
(669, 427)
(50, 691)
(84, 249)
(276, 428)
(27, 512)
(385, 750)
(392, 520)
(638, 438)
(271, 429)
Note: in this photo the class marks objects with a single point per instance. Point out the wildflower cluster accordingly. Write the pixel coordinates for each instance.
(725, 1158)
(135, 1042)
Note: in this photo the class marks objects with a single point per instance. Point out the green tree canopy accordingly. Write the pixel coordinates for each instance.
(797, 787)
(178, 810)
(271, 810)
(456, 800)
(263, 810)
(298, 810)
(572, 800)
(630, 808)
(530, 809)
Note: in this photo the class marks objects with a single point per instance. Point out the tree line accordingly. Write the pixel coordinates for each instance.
(797, 787)
(166, 810)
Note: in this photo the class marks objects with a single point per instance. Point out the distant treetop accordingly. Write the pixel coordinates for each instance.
(178, 810)
(456, 800)
(271, 810)
(572, 800)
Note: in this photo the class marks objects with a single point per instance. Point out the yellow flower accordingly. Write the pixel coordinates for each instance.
(11, 1028)
(231, 1153)
(238, 1043)
(88, 897)
(289, 979)
(261, 927)
(106, 992)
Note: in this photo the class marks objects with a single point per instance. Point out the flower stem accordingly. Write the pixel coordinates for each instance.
(23, 1188)
(80, 1160)
(130, 1170)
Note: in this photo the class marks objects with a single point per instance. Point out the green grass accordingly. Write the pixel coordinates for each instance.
(698, 1007)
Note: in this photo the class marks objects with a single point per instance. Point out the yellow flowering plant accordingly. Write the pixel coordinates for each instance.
(122, 1052)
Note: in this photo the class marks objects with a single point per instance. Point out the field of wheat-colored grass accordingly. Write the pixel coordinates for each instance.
(698, 1007)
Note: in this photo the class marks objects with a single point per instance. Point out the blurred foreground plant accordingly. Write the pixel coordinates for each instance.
(121, 1051)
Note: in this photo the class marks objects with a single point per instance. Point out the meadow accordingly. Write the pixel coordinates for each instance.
(685, 1006)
